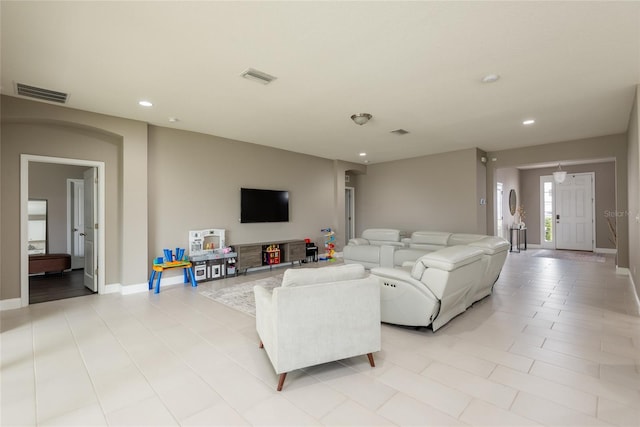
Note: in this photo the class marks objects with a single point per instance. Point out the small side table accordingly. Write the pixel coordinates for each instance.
(519, 232)
(159, 268)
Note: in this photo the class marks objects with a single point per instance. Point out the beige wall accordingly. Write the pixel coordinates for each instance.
(195, 181)
(49, 181)
(41, 129)
(605, 198)
(634, 192)
(437, 192)
(611, 146)
(510, 179)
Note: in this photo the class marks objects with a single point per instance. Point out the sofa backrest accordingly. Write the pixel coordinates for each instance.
(464, 239)
(312, 276)
(429, 240)
(382, 236)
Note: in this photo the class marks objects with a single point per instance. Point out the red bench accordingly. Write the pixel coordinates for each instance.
(45, 263)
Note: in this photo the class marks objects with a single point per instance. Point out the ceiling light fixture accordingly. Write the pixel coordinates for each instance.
(559, 176)
(361, 118)
(490, 78)
(528, 122)
(145, 103)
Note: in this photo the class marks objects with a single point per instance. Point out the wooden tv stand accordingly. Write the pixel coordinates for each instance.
(250, 254)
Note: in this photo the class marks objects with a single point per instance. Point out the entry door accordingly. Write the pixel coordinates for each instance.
(90, 225)
(574, 212)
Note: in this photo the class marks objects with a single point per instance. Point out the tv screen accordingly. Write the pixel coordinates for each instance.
(263, 205)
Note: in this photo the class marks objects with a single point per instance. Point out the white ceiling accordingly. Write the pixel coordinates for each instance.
(572, 66)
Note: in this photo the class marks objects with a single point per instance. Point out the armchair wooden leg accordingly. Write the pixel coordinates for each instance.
(371, 362)
(281, 381)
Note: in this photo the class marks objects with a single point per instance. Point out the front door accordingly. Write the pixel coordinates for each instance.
(574, 212)
(90, 227)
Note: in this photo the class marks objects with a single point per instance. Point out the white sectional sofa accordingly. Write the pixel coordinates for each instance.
(433, 291)
(374, 249)
(425, 279)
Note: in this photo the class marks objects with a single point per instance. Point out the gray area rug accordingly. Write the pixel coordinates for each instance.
(240, 297)
(571, 255)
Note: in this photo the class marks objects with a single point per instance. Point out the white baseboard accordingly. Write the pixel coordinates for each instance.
(622, 271)
(605, 251)
(533, 246)
(134, 289)
(10, 304)
(112, 288)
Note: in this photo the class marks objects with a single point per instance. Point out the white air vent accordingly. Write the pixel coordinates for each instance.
(40, 93)
(258, 76)
(400, 132)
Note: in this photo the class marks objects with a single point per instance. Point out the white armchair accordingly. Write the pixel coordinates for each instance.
(318, 315)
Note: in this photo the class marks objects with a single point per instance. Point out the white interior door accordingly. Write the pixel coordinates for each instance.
(574, 212)
(77, 231)
(90, 229)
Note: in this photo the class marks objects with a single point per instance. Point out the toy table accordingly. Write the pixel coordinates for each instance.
(159, 268)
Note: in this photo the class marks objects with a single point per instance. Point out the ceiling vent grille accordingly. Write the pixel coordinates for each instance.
(399, 132)
(257, 76)
(40, 93)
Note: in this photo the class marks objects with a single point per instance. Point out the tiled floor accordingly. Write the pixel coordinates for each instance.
(558, 343)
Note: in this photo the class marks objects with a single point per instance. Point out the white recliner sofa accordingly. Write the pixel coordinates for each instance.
(494, 249)
(374, 249)
(318, 315)
(433, 291)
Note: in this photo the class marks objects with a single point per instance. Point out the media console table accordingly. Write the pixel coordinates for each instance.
(250, 254)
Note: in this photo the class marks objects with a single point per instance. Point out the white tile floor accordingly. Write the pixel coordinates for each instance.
(558, 343)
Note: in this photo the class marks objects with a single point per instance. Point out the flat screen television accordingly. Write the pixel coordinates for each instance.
(263, 205)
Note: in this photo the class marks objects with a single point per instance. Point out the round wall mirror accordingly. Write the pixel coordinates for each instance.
(512, 202)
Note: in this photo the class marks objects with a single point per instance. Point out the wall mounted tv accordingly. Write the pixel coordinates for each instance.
(263, 205)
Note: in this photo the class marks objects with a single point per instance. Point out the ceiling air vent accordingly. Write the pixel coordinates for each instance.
(400, 132)
(258, 76)
(40, 93)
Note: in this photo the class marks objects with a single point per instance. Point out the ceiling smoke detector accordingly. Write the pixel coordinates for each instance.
(257, 76)
(399, 132)
(361, 118)
(41, 93)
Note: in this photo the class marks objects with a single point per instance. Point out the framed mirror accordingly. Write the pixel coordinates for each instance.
(37, 211)
(512, 202)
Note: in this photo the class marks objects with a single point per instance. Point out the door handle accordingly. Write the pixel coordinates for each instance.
(557, 219)
(82, 234)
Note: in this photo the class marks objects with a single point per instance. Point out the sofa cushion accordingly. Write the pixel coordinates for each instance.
(450, 258)
(429, 240)
(311, 276)
(382, 236)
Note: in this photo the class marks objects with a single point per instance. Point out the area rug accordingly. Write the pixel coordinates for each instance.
(240, 297)
(571, 255)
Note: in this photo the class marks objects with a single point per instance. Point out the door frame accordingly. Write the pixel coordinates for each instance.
(351, 213)
(25, 159)
(499, 210)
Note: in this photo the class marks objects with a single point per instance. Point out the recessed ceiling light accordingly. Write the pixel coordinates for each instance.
(490, 78)
(174, 119)
(528, 122)
(363, 154)
(145, 103)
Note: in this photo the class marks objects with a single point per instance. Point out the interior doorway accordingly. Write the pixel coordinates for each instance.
(349, 214)
(25, 161)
